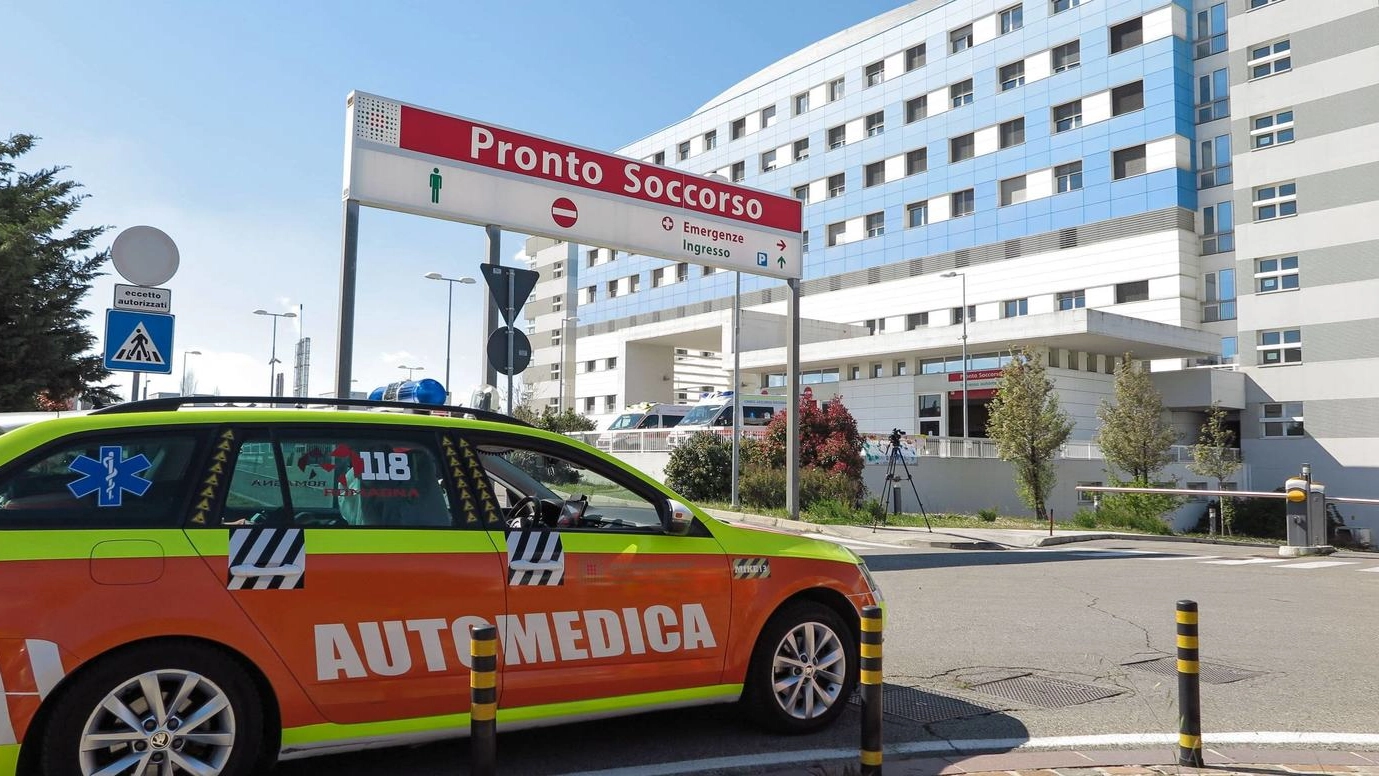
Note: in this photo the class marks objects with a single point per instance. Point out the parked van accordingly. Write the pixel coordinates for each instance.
(640, 417)
(715, 412)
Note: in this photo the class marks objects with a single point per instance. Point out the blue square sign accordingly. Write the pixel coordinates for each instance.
(138, 342)
(762, 259)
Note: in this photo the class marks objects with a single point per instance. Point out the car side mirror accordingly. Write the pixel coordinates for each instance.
(680, 520)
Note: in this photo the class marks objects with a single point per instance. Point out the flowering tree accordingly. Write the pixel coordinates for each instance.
(828, 439)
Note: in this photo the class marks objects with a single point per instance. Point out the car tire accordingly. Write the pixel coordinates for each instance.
(788, 690)
(218, 718)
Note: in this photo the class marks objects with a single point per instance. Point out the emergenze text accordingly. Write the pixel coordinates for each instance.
(389, 648)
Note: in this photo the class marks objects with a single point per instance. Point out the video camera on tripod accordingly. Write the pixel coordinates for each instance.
(893, 478)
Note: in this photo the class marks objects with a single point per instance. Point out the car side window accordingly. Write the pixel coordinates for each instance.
(339, 477)
(115, 479)
(539, 485)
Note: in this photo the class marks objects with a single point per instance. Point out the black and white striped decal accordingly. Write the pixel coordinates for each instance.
(535, 547)
(751, 568)
(265, 549)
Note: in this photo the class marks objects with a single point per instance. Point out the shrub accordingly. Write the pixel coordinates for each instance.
(828, 510)
(1261, 517)
(819, 484)
(1085, 518)
(874, 509)
(988, 515)
(701, 468)
(828, 439)
(1140, 511)
(761, 486)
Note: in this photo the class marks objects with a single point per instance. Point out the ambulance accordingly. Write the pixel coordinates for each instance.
(714, 412)
(209, 589)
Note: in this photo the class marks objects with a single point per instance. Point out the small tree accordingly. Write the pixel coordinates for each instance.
(1214, 456)
(1134, 435)
(701, 468)
(829, 439)
(1029, 427)
(566, 422)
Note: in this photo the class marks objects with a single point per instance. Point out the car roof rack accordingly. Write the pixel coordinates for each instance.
(176, 402)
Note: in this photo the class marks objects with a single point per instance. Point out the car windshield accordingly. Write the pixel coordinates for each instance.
(702, 415)
(626, 421)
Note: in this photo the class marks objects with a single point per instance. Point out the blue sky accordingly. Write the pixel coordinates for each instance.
(223, 124)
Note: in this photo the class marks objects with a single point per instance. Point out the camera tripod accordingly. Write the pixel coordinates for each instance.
(893, 481)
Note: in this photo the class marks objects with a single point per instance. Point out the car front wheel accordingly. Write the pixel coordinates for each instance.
(803, 669)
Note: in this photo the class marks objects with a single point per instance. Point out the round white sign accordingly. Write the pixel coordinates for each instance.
(144, 256)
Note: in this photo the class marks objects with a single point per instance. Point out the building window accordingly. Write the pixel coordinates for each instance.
(1220, 296)
(914, 57)
(612, 289)
(802, 193)
(1012, 132)
(681, 272)
(1214, 163)
(706, 271)
(874, 174)
(557, 303)
(737, 129)
(682, 151)
(1128, 162)
(738, 172)
(1271, 130)
(801, 149)
(1213, 96)
(955, 320)
(1067, 177)
(1281, 420)
(1013, 190)
(1270, 59)
(916, 161)
(804, 240)
(658, 158)
(1011, 75)
(768, 116)
(555, 368)
(1012, 19)
(1279, 200)
(876, 123)
(962, 147)
(634, 283)
(835, 233)
(589, 403)
(589, 293)
(835, 90)
(837, 185)
(901, 369)
(964, 203)
(557, 270)
(1211, 31)
(878, 370)
(960, 39)
(610, 402)
(1280, 346)
(855, 372)
(961, 93)
(1067, 116)
(1060, 6)
(1072, 300)
(1229, 350)
(876, 224)
(800, 103)
(592, 257)
(916, 321)
(916, 108)
(660, 277)
(768, 161)
(1276, 274)
(876, 73)
(1218, 228)
(1067, 56)
(1134, 291)
(917, 214)
(1127, 35)
(837, 136)
(1014, 308)
(710, 140)
(1127, 98)
(613, 362)
(1261, 3)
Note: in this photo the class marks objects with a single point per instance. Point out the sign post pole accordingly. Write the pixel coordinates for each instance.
(494, 236)
(349, 263)
(737, 381)
(792, 391)
(512, 321)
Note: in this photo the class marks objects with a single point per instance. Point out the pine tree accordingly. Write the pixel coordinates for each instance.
(45, 358)
(1214, 456)
(1134, 435)
(1029, 427)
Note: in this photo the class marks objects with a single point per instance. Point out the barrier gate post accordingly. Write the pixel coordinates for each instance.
(1189, 688)
(871, 690)
(483, 700)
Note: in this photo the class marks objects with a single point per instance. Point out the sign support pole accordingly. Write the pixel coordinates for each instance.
(512, 356)
(349, 264)
(737, 380)
(134, 396)
(792, 391)
(494, 235)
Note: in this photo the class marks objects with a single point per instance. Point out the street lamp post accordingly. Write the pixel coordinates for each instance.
(185, 353)
(273, 360)
(449, 308)
(966, 432)
(410, 369)
(564, 335)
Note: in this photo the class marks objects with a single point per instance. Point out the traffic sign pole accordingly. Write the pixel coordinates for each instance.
(512, 295)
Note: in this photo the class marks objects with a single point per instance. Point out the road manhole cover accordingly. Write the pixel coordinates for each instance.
(1045, 691)
(923, 706)
(1211, 673)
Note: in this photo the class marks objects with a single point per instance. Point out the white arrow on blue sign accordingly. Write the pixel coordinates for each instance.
(138, 342)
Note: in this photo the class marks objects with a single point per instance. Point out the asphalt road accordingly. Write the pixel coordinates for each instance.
(1295, 642)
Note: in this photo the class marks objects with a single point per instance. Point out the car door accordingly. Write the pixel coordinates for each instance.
(605, 603)
(356, 550)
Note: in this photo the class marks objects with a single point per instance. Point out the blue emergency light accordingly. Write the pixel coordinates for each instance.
(423, 391)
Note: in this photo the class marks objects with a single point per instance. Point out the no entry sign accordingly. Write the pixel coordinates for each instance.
(416, 160)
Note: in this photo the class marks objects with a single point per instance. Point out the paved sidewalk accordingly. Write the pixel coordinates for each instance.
(1113, 762)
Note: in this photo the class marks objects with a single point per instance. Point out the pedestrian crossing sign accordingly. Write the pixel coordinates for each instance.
(138, 341)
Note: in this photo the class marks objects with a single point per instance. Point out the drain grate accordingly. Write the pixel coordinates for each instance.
(923, 706)
(1211, 673)
(1046, 692)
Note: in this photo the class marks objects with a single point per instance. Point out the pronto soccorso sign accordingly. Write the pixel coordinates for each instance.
(415, 160)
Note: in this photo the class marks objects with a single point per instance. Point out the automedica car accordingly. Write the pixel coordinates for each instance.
(207, 589)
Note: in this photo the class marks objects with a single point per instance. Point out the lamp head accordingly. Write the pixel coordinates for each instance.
(433, 276)
(950, 274)
(289, 315)
(260, 312)
(191, 353)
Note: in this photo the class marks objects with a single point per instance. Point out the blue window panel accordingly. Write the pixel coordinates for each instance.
(1158, 199)
(1062, 219)
(1015, 226)
(1129, 204)
(1038, 207)
(1121, 137)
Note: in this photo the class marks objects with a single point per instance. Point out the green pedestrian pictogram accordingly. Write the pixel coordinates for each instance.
(435, 185)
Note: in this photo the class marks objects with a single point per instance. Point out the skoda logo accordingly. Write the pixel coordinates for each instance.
(160, 740)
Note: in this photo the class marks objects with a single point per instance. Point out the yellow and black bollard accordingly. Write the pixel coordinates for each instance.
(1189, 688)
(483, 700)
(871, 690)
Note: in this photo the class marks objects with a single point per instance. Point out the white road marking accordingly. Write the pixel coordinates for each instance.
(1319, 564)
(850, 542)
(1244, 561)
(1182, 557)
(1376, 568)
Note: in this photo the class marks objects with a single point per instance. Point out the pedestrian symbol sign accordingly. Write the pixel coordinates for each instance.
(138, 341)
